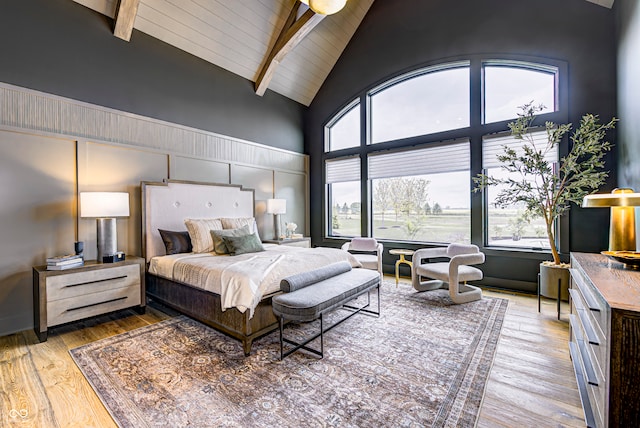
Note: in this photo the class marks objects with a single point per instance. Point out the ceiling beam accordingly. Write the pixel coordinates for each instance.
(125, 17)
(292, 33)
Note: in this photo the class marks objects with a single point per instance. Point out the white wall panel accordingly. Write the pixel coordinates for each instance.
(37, 216)
(192, 169)
(261, 180)
(109, 168)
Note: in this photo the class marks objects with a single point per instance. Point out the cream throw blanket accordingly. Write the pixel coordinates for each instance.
(243, 280)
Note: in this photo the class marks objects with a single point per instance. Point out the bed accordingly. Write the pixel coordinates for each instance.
(231, 293)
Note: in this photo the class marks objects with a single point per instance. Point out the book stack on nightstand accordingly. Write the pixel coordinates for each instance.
(65, 262)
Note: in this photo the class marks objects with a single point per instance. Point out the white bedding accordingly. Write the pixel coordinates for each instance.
(243, 280)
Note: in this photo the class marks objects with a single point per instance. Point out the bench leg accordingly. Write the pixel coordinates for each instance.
(352, 309)
(302, 345)
(281, 342)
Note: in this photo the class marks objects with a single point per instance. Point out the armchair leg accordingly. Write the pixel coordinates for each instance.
(429, 285)
(465, 293)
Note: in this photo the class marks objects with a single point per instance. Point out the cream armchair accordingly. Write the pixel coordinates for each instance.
(367, 251)
(453, 274)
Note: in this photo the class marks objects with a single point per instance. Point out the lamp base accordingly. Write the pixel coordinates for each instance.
(107, 237)
(276, 218)
(622, 229)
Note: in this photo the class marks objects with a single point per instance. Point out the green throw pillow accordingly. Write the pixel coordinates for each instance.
(219, 245)
(243, 244)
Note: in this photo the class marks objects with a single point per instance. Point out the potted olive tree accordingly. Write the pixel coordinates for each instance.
(544, 191)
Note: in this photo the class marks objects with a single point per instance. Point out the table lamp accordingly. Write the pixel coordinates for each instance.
(622, 227)
(277, 207)
(105, 207)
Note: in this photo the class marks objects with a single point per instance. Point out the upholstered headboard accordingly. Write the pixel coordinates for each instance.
(167, 204)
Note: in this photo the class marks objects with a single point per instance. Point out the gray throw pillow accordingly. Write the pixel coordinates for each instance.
(243, 244)
(219, 246)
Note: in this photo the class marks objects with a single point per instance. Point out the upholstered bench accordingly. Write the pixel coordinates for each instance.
(309, 295)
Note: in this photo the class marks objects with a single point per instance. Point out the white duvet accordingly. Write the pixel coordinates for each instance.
(242, 281)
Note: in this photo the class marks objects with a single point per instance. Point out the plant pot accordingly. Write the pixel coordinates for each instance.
(549, 276)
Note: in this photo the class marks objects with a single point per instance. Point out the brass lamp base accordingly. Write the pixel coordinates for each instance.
(622, 229)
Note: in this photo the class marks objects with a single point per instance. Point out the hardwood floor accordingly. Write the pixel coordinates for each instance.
(531, 383)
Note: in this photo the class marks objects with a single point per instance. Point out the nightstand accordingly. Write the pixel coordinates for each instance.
(62, 296)
(298, 242)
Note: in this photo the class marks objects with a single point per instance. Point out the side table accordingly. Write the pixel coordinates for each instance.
(62, 296)
(402, 253)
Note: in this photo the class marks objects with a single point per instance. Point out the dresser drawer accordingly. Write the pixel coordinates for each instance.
(93, 281)
(74, 308)
(595, 306)
(589, 329)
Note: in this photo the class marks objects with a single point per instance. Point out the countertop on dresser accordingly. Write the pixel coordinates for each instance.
(619, 285)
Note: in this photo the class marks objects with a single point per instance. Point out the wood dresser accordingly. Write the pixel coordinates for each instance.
(605, 339)
(62, 296)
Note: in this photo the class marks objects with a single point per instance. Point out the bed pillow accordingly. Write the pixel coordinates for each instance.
(243, 244)
(237, 222)
(200, 233)
(176, 242)
(219, 245)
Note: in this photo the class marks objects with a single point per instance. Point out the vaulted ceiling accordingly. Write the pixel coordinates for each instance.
(249, 37)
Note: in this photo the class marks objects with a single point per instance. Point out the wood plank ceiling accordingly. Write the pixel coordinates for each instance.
(239, 36)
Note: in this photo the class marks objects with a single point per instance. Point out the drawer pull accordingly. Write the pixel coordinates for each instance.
(96, 281)
(96, 304)
(582, 387)
(589, 372)
(592, 337)
(591, 301)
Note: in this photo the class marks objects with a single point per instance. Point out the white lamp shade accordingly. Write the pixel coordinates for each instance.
(104, 204)
(276, 206)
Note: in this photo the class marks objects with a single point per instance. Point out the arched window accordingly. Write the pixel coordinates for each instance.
(344, 130)
(431, 100)
(511, 84)
(412, 180)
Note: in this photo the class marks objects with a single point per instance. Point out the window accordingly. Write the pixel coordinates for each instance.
(344, 132)
(422, 194)
(506, 227)
(434, 100)
(343, 192)
(427, 133)
(509, 85)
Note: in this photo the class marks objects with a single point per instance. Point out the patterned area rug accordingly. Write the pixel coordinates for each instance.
(424, 362)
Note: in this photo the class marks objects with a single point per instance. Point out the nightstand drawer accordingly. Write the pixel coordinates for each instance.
(74, 308)
(87, 282)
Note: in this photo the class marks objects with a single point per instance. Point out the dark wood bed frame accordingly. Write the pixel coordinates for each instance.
(205, 307)
(202, 305)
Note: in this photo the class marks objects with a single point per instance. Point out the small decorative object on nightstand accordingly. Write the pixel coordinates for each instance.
(62, 296)
(293, 242)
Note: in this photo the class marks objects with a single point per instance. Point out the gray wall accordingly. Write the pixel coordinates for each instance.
(50, 148)
(628, 20)
(63, 48)
(401, 36)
